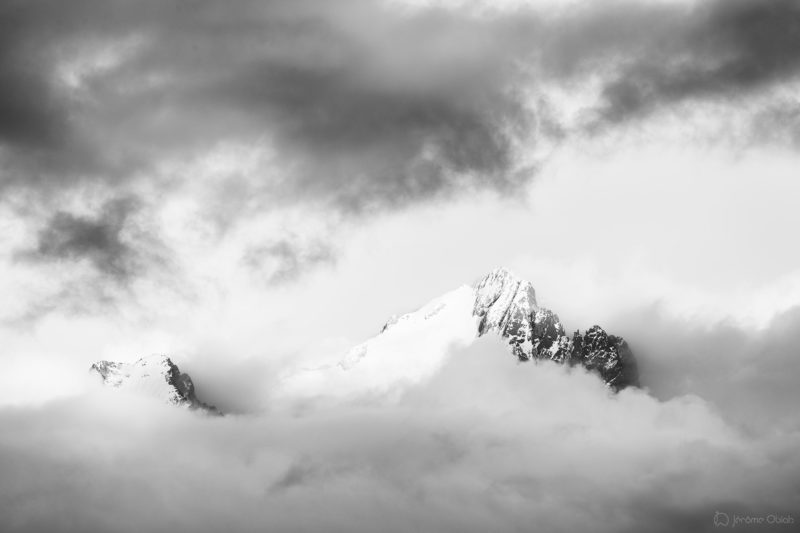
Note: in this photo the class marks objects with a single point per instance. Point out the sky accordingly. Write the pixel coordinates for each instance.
(252, 185)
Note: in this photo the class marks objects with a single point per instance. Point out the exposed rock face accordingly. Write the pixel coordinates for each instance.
(548, 338)
(606, 354)
(155, 376)
(506, 305)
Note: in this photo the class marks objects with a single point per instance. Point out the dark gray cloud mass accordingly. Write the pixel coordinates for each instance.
(366, 105)
(96, 239)
(31, 114)
(96, 256)
(363, 105)
(725, 49)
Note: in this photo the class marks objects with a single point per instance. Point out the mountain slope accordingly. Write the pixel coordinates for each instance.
(412, 347)
(409, 349)
(156, 376)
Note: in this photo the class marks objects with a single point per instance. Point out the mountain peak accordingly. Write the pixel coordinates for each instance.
(506, 305)
(499, 277)
(154, 375)
(500, 285)
(501, 271)
(412, 347)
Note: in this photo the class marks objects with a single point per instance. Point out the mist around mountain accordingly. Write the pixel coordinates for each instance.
(413, 346)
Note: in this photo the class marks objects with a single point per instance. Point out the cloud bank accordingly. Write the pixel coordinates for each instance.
(486, 444)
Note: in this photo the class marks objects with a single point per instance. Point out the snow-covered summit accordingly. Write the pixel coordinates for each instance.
(155, 376)
(413, 346)
(504, 304)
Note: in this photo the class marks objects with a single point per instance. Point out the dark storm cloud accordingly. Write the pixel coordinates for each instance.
(365, 105)
(98, 239)
(724, 49)
(30, 111)
(28, 114)
(43, 137)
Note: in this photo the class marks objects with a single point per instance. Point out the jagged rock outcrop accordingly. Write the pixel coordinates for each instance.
(506, 305)
(155, 376)
(606, 354)
(548, 338)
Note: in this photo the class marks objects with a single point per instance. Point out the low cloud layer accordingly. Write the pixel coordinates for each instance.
(486, 444)
(754, 382)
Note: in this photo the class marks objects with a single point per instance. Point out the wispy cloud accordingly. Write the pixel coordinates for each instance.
(286, 260)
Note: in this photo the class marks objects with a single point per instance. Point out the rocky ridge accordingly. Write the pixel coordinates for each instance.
(506, 305)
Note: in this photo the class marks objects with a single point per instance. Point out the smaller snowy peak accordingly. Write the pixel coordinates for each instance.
(113, 374)
(155, 376)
